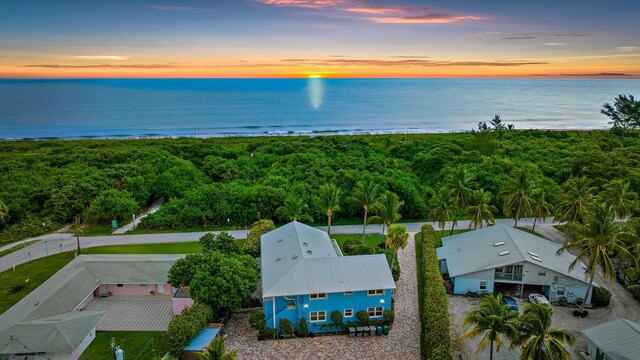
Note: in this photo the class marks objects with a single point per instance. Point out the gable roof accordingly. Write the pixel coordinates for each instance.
(298, 259)
(481, 249)
(45, 320)
(619, 339)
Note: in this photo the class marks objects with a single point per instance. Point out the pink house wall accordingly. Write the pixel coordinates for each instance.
(87, 300)
(136, 289)
(180, 304)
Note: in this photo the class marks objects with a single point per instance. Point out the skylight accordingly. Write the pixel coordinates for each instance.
(499, 244)
(505, 253)
(532, 253)
(309, 252)
(536, 258)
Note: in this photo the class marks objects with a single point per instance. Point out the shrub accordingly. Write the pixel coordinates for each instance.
(336, 319)
(184, 327)
(18, 285)
(286, 327)
(252, 244)
(303, 327)
(395, 272)
(222, 242)
(389, 316)
(258, 320)
(355, 247)
(433, 304)
(635, 291)
(363, 317)
(601, 297)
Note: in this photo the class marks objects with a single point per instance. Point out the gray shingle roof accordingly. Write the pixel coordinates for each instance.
(298, 259)
(49, 308)
(619, 339)
(474, 251)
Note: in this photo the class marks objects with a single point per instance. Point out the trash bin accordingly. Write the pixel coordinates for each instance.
(579, 301)
(114, 224)
(379, 331)
(352, 331)
(385, 330)
(372, 330)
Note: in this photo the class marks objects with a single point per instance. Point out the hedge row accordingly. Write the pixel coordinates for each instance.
(434, 308)
(184, 327)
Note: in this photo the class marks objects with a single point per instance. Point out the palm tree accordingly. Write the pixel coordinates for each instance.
(4, 210)
(617, 195)
(492, 320)
(541, 208)
(480, 209)
(518, 194)
(460, 182)
(365, 195)
(598, 237)
(296, 209)
(398, 239)
(537, 338)
(387, 210)
(329, 201)
(573, 202)
(216, 351)
(443, 209)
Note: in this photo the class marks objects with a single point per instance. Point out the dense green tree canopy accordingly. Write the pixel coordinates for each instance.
(209, 181)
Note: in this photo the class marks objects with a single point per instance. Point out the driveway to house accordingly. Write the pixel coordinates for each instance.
(61, 242)
(403, 341)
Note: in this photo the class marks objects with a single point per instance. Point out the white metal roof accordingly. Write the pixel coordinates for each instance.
(53, 302)
(299, 259)
(619, 339)
(478, 250)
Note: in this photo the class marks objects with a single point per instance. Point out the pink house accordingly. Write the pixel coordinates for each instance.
(181, 300)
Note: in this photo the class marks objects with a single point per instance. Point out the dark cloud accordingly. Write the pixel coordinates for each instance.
(598, 74)
(412, 62)
(579, 35)
(524, 37)
(105, 66)
(409, 57)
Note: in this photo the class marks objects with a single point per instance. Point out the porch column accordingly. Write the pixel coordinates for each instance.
(522, 291)
(273, 301)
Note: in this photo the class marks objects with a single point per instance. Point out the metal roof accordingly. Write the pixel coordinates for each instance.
(481, 249)
(203, 339)
(50, 307)
(298, 259)
(618, 339)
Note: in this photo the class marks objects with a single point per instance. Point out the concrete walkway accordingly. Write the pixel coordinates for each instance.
(403, 341)
(64, 242)
(154, 207)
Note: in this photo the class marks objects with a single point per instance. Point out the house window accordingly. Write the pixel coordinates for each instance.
(291, 303)
(348, 293)
(143, 285)
(560, 290)
(318, 316)
(348, 313)
(375, 311)
(376, 292)
(120, 285)
(483, 285)
(542, 273)
(317, 296)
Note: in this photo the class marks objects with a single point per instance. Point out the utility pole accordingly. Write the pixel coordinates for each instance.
(78, 233)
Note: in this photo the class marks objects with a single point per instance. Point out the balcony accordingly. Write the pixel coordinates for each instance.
(508, 276)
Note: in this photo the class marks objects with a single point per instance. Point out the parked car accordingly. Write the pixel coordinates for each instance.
(511, 302)
(538, 299)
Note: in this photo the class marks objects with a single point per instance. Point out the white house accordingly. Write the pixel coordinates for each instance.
(501, 257)
(615, 340)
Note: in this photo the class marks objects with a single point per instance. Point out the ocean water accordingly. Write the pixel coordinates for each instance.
(246, 107)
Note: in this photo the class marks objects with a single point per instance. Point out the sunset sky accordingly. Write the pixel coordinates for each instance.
(328, 38)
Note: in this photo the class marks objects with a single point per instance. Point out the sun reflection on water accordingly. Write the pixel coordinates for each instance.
(315, 91)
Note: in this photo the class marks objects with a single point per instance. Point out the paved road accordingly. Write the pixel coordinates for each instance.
(64, 242)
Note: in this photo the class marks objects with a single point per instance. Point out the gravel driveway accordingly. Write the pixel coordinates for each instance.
(402, 342)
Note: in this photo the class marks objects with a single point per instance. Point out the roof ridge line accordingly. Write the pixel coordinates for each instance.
(515, 244)
(284, 275)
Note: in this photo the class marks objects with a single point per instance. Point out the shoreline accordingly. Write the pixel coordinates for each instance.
(291, 133)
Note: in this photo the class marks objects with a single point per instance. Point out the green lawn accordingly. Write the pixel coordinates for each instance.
(140, 345)
(168, 248)
(17, 247)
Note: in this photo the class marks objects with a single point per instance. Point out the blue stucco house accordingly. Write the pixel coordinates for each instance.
(304, 274)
